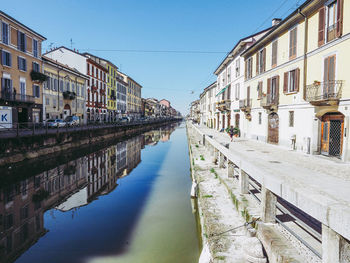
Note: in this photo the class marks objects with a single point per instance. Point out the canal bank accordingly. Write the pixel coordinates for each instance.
(18, 149)
(235, 227)
(127, 202)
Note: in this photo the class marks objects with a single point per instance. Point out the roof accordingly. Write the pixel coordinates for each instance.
(74, 70)
(106, 60)
(54, 49)
(19, 23)
(238, 44)
(278, 26)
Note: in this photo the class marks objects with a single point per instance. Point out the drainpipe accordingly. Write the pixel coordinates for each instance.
(58, 91)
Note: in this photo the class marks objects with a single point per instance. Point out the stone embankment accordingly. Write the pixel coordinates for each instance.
(231, 229)
(14, 150)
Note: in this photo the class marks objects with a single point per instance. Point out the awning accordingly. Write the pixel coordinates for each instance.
(221, 91)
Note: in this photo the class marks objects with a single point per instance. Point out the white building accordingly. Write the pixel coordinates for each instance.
(230, 85)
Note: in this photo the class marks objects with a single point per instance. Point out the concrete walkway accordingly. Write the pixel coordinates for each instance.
(324, 181)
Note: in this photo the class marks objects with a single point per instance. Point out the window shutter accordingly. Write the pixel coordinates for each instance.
(285, 83)
(18, 40)
(2, 84)
(33, 90)
(2, 57)
(277, 85)
(33, 66)
(297, 79)
(38, 91)
(10, 59)
(269, 86)
(257, 63)
(264, 59)
(18, 62)
(340, 18)
(321, 26)
(25, 43)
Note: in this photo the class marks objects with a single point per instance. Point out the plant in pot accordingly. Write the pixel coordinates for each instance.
(236, 132)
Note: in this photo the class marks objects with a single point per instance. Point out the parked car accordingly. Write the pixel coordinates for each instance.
(72, 120)
(55, 123)
(125, 119)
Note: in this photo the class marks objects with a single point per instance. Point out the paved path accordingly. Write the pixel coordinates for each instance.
(313, 183)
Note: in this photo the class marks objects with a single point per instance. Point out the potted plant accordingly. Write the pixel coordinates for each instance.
(317, 83)
(236, 132)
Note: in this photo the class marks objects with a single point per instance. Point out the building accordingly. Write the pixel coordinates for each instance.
(195, 111)
(122, 87)
(299, 72)
(97, 95)
(73, 59)
(64, 91)
(133, 98)
(230, 82)
(21, 78)
(112, 91)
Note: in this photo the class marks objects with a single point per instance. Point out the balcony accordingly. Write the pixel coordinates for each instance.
(245, 105)
(223, 105)
(324, 93)
(94, 88)
(98, 104)
(269, 102)
(13, 97)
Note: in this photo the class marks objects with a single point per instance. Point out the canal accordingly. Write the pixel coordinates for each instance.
(128, 202)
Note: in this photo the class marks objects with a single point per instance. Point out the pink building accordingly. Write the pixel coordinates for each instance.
(165, 102)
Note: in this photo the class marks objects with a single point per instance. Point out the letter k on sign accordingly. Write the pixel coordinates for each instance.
(4, 118)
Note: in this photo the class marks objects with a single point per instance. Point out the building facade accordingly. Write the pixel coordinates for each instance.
(21, 78)
(122, 87)
(299, 81)
(64, 91)
(112, 91)
(133, 98)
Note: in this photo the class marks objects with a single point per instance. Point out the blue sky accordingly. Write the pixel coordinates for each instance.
(181, 25)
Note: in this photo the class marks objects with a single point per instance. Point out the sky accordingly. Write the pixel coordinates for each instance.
(113, 28)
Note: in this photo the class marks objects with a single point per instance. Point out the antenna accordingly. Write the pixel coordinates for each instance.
(71, 43)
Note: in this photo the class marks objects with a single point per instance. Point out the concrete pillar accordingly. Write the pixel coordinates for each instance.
(268, 206)
(243, 181)
(230, 169)
(204, 139)
(216, 155)
(334, 246)
(221, 160)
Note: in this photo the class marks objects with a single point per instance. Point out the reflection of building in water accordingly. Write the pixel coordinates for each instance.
(23, 204)
(97, 176)
(121, 159)
(161, 134)
(133, 152)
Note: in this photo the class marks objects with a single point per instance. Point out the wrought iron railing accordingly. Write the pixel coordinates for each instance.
(320, 91)
(269, 100)
(11, 96)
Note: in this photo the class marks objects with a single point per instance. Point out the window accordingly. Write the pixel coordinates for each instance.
(229, 75)
(6, 58)
(5, 33)
(21, 41)
(260, 118)
(293, 43)
(238, 67)
(36, 67)
(274, 53)
(260, 89)
(24, 212)
(260, 61)
(47, 101)
(36, 91)
(35, 48)
(237, 91)
(55, 84)
(22, 63)
(330, 22)
(291, 119)
(291, 81)
(248, 68)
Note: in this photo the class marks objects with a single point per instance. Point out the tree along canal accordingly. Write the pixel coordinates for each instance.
(129, 202)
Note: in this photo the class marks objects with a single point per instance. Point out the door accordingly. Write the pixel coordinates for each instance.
(332, 127)
(22, 115)
(228, 120)
(273, 126)
(66, 111)
(237, 120)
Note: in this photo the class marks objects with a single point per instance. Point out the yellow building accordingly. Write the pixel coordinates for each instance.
(112, 91)
(134, 98)
(64, 91)
(295, 77)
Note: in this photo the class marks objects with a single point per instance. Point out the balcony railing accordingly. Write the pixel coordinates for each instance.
(324, 92)
(223, 105)
(269, 101)
(245, 104)
(13, 97)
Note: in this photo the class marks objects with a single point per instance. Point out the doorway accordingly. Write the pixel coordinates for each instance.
(237, 120)
(22, 115)
(273, 123)
(332, 127)
(223, 121)
(228, 120)
(66, 111)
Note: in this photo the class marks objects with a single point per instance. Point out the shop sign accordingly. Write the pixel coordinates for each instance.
(5, 117)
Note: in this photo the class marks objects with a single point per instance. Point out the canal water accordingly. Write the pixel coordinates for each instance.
(128, 202)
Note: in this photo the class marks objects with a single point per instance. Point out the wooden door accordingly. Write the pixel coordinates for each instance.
(223, 121)
(273, 127)
(237, 121)
(228, 120)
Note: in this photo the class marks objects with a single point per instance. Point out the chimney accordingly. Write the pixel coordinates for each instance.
(276, 21)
